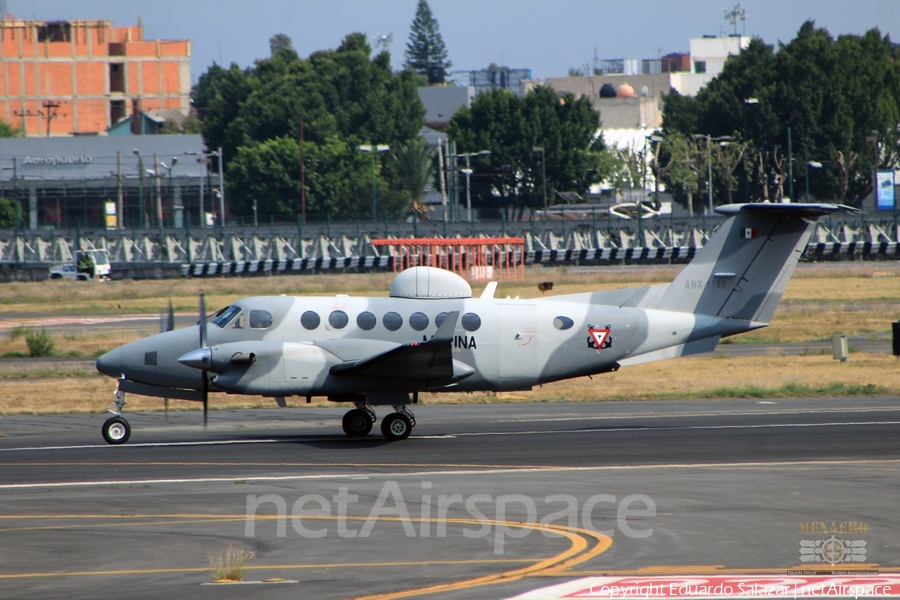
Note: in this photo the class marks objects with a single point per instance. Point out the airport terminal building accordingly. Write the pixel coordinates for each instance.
(150, 181)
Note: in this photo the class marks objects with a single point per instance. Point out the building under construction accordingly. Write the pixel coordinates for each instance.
(79, 77)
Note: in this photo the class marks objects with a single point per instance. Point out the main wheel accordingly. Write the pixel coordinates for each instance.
(116, 430)
(396, 426)
(357, 423)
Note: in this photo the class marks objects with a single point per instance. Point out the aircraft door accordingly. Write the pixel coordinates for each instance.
(518, 346)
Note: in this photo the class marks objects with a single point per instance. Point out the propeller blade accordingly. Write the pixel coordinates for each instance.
(202, 319)
(170, 317)
(205, 398)
(203, 344)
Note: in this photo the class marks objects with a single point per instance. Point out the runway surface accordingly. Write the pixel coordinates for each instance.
(453, 512)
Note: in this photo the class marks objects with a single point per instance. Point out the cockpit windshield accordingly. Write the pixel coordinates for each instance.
(224, 316)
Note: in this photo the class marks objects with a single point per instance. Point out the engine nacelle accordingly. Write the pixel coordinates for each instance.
(269, 368)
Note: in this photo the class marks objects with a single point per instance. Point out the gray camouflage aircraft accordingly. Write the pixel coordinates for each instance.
(431, 335)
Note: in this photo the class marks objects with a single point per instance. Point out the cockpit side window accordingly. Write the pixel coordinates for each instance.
(224, 316)
(260, 319)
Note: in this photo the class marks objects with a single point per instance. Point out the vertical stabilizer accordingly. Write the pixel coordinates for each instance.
(741, 273)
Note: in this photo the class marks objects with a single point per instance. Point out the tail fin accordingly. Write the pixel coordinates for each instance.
(741, 273)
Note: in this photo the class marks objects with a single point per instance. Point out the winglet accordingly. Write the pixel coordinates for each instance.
(445, 331)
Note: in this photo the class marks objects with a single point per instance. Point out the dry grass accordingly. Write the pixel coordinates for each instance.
(821, 300)
(227, 565)
(697, 377)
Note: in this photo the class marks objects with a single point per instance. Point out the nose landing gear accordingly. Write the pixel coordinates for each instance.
(116, 430)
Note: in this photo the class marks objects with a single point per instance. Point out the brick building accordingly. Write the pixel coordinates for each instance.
(81, 77)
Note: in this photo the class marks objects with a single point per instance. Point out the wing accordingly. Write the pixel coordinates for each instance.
(429, 360)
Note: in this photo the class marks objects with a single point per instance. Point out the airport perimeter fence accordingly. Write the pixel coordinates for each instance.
(317, 247)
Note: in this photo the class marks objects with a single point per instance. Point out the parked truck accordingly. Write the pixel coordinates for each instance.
(86, 265)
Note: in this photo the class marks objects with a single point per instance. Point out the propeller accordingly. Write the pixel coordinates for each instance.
(203, 344)
(167, 321)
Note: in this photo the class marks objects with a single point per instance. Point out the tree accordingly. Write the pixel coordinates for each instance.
(414, 161)
(426, 46)
(840, 98)
(8, 131)
(510, 128)
(344, 97)
(281, 42)
(8, 213)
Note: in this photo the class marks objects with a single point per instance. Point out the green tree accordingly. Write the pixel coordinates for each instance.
(8, 213)
(281, 42)
(414, 161)
(840, 97)
(344, 98)
(8, 131)
(425, 46)
(511, 128)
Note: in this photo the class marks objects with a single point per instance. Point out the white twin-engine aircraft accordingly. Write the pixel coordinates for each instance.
(431, 335)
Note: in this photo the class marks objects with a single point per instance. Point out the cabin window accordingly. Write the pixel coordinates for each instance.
(392, 321)
(563, 323)
(471, 322)
(439, 320)
(418, 321)
(366, 321)
(260, 319)
(224, 316)
(338, 319)
(310, 319)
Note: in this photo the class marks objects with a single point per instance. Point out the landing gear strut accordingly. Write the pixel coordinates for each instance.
(116, 430)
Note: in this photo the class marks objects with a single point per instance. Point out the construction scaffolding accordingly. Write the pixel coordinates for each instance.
(478, 259)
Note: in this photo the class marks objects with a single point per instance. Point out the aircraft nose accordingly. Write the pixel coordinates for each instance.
(110, 363)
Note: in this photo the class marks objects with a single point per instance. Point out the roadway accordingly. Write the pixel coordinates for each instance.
(684, 486)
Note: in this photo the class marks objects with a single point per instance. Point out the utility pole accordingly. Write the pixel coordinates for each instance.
(302, 180)
(120, 201)
(159, 211)
(27, 113)
(51, 108)
(443, 185)
(221, 187)
(790, 161)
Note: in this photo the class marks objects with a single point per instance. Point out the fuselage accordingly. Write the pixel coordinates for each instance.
(510, 344)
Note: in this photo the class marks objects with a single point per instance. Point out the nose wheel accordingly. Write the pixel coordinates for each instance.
(116, 430)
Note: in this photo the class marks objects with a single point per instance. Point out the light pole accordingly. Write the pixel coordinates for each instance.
(747, 102)
(220, 194)
(544, 170)
(178, 216)
(468, 173)
(373, 148)
(709, 140)
(657, 141)
(140, 188)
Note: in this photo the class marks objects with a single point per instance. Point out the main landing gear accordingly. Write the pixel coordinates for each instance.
(116, 429)
(395, 426)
